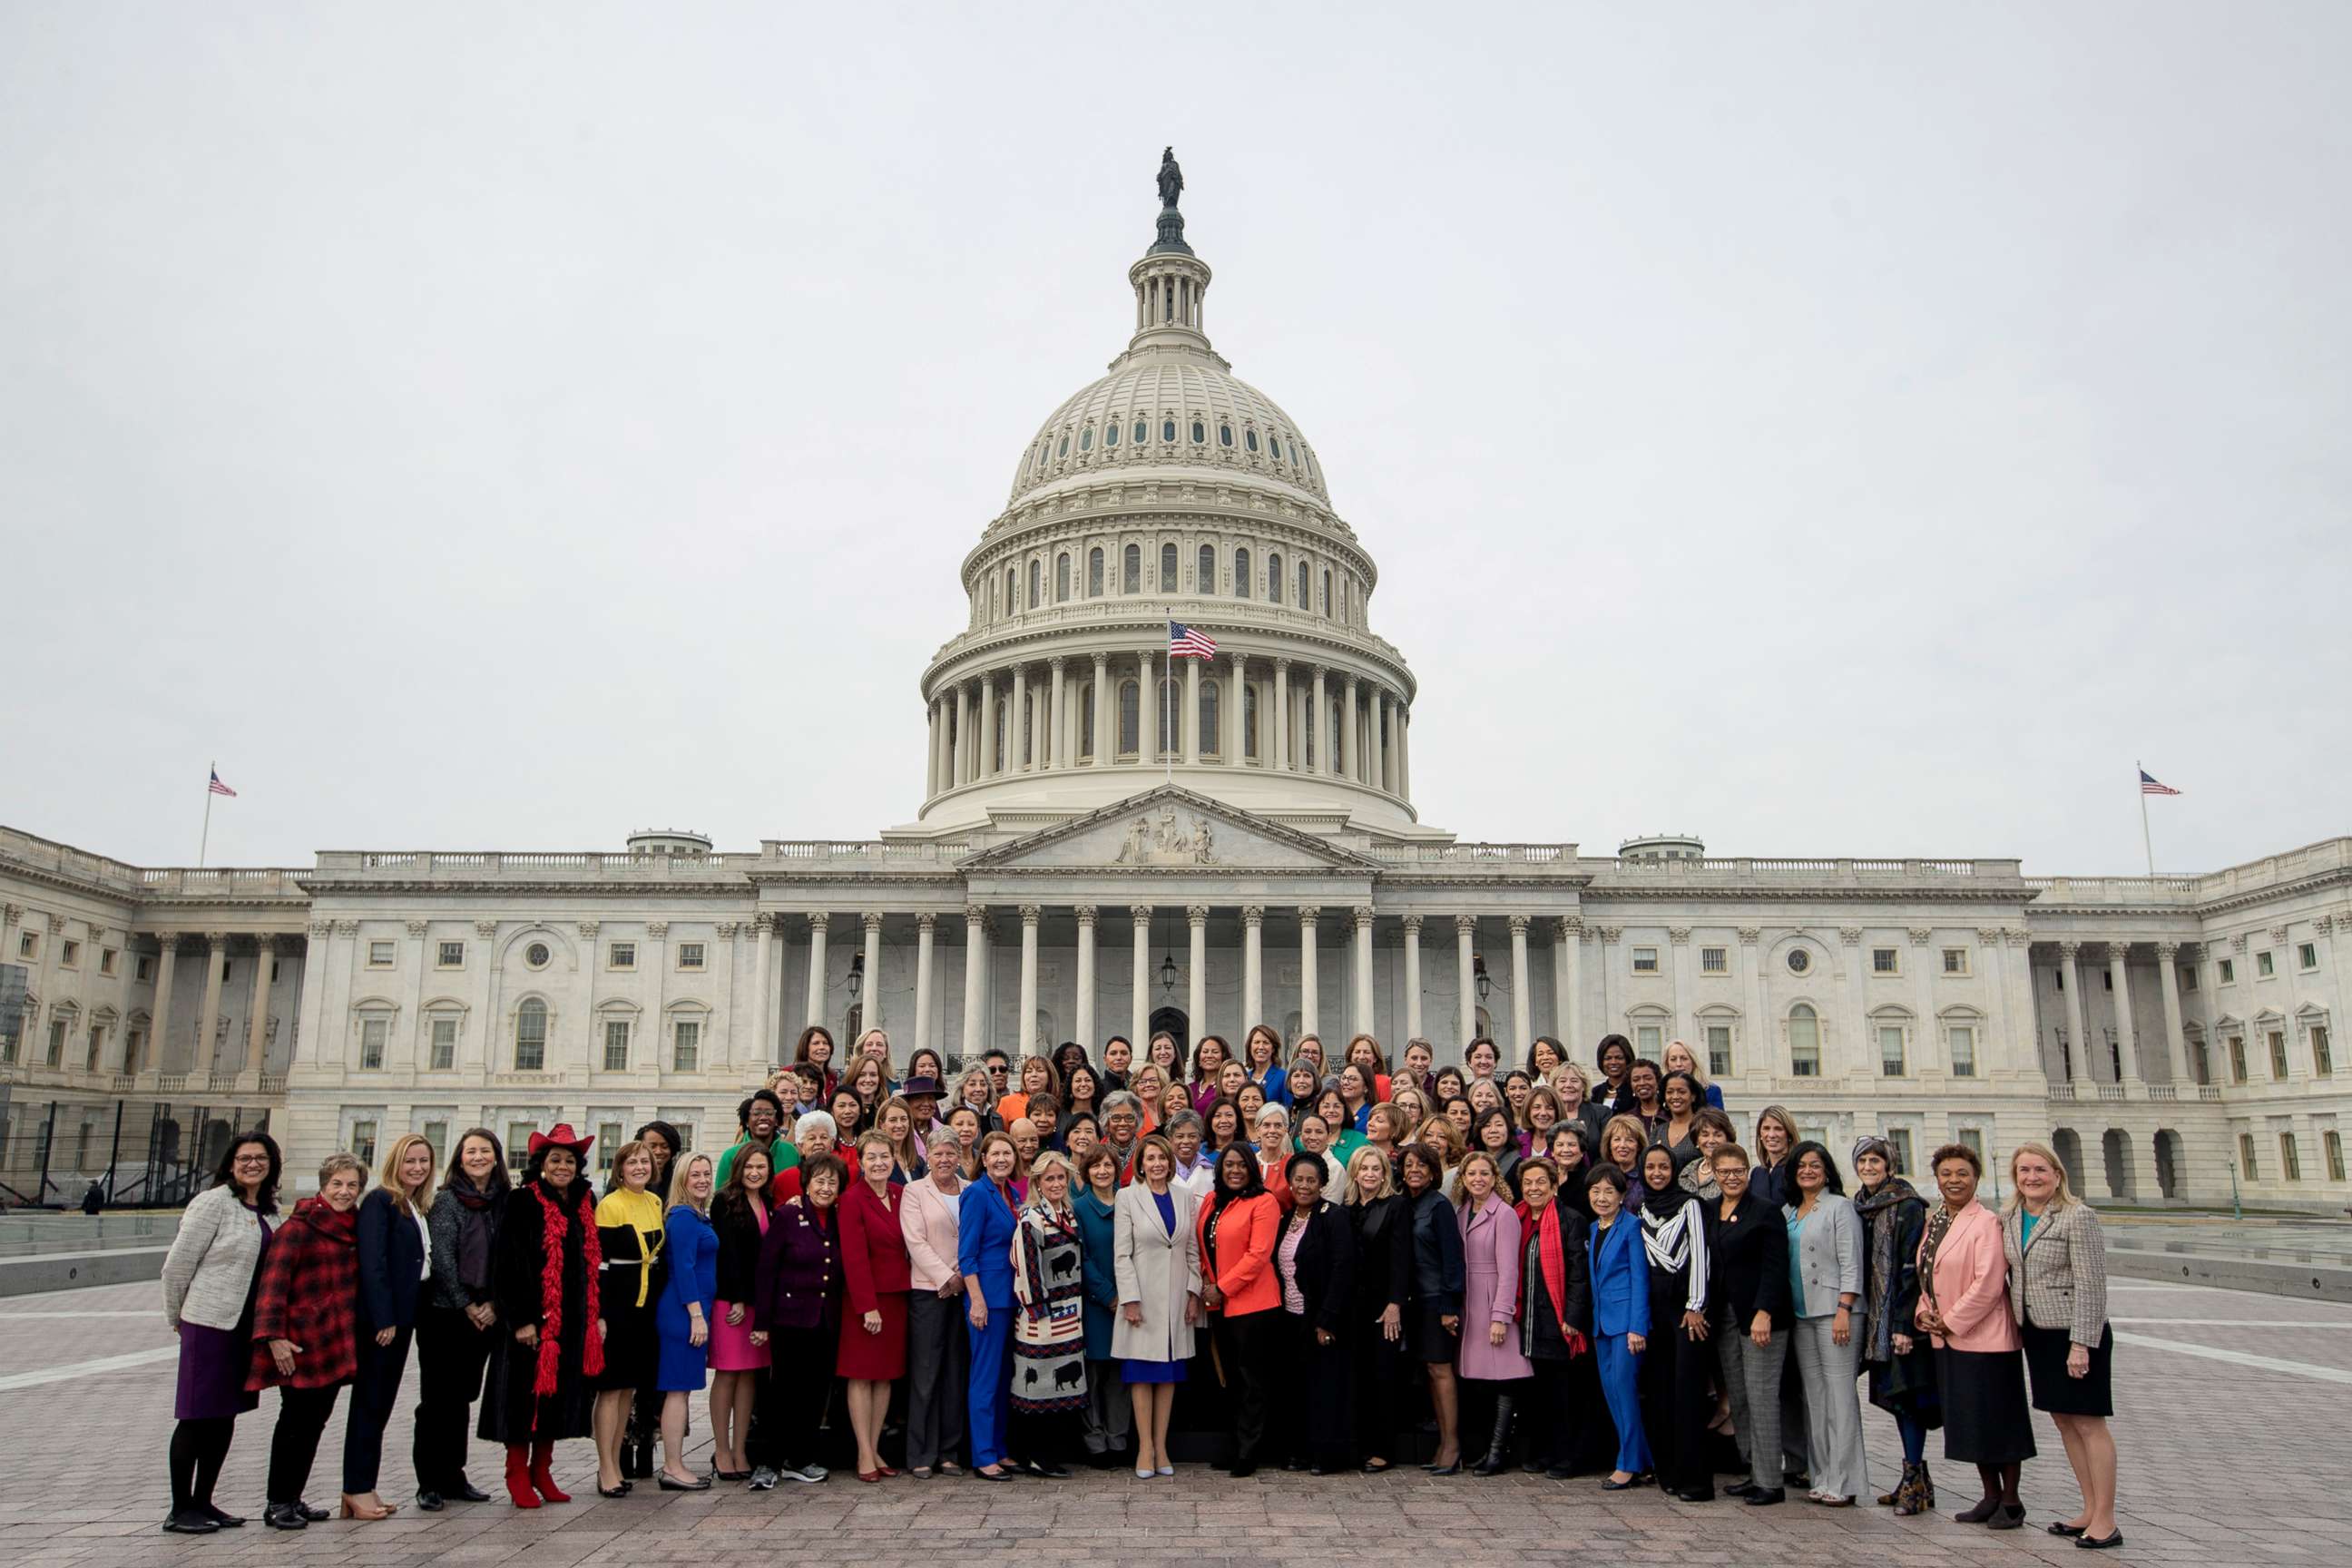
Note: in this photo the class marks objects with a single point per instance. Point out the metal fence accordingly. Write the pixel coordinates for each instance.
(136, 1152)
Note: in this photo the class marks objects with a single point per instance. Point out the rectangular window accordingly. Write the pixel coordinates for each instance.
(2229, 972)
(1718, 1050)
(379, 955)
(1714, 961)
(689, 955)
(2058, 978)
(2246, 1166)
(2290, 1157)
(2189, 977)
(96, 1046)
(106, 956)
(1804, 1045)
(2306, 956)
(686, 1055)
(2201, 1067)
(28, 945)
(57, 1057)
(1962, 1038)
(1890, 1051)
(134, 1051)
(364, 1142)
(2277, 1039)
(608, 1144)
(2332, 1143)
(436, 1135)
(530, 1038)
(518, 1143)
(1884, 961)
(2263, 965)
(1955, 961)
(1972, 1138)
(1646, 961)
(2323, 1057)
(450, 955)
(373, 1034)
(69, 954)
(143, 968)
(445, 1044)
(2237, 1059)
(616, 1045)
(1649, 1039)
(622, 955)
(1899, 1139)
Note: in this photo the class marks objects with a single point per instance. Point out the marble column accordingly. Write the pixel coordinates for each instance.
(1378, 717)
(1363, 1020)
(871, 1018)
(1189, 728)
(257, 1029)
(2175, 1044)
(1307, 967)
(1350, 759)
(208, 1019)
(1030, 915)
(1522, 1025)
(1679, 998)
(975, 968)
(1566, 932)
(820, 927)
(931, 751)
(1253, 967)
(1059, 730)
(159, 1020)
(1153, 715)
(961, 743)
(1612, 1016)
(1196, 969)
(1281, 725)
(1139, 1030)
(1411, 980)
(2126, 1031)
(989, 758)
(2069, 976)
(1236, 712)
(1020, 735)
(1319, 721)
(763, 927)
(1404, 752)
(1083, 1011)
(1106, 744)
(1860, 1055)
(926, 926)
(1465, 939)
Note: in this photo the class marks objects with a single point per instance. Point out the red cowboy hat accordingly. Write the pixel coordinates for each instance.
(562, 1136)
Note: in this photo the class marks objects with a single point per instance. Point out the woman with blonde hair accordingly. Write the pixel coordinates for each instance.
(394, 1260)
(1049, 1341)
(1574, 1087)
(631, 1233)
(2057, 1261)
(1149, 1086)
(875, 1044)
(1621, 1142)
(1680, 1058)
(1380, 1291)
(1031, 1075)
(1411, 1103)
(682, 1320)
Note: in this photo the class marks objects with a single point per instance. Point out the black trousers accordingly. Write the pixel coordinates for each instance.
(1677, 1400)
(1550, 1413)
(450, 1355)
(1046, 1438)
(1314, 1413)
(302, 1415)
(794, 1401)
(1249, 1347)
(374, 1392)
(1377, 1374)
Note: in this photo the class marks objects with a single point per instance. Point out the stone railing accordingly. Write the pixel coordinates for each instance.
(1149, 614)
(862, 852)
(1470, 854)
(2060, 1091)
(147, 881)
(529, 866)
(2182, 891)
(1840, 871)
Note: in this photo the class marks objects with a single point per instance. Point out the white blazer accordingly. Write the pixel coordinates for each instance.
(1157, 1267)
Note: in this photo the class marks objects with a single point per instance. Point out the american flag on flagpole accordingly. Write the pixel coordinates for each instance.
(216, 788)
(2148, 786)
(1183, 642)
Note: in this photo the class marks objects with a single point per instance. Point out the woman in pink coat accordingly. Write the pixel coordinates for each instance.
(1964, 1308)
(1491, 1367)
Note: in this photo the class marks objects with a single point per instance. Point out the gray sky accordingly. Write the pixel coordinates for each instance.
(1834, 429)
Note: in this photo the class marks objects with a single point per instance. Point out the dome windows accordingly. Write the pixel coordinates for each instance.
(1205, 574)
(1110, 433)
(1143, 432)
(1274, 576)
(1274, 445)
(1249, 439)
(1168, 568)
(1086, 439)
(1200, 434)
(1224, 435)
(1095, 572)
(1131, 575)
(1241, 575)
(1167, 429)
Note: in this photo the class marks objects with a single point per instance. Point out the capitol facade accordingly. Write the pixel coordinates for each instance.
(1262, 859)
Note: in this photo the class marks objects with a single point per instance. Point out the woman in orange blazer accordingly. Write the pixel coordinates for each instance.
(1964, 1309)
(1238, 1227)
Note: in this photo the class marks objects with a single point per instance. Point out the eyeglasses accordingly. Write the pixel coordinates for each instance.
(999, 1070)
(251, 1159)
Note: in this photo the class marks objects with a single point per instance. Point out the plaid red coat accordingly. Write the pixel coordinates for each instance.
(309, 1295)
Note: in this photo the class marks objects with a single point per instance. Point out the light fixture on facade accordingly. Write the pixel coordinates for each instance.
(857, 975)
(1478, 970)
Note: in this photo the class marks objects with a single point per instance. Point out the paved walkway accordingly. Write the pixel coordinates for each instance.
(2232, 1406)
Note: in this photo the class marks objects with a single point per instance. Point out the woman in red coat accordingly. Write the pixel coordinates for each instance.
(877, 1276)
(306, 1332)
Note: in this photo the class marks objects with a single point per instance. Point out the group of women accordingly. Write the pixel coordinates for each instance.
(1040, 1264)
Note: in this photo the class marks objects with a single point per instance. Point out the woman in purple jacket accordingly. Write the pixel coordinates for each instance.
(799, 1309)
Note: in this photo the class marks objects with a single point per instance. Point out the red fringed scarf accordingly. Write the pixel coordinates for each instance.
(550, 1290)
(1552, 1259)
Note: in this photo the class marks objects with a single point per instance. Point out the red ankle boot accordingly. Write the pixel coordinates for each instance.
(518, 1477)
(541, 1456)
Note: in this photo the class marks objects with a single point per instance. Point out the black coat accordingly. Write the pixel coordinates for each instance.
(738, 1252)
(391, 1264)
(1383, 1272)
(1437, 1267)
(1326, 1263)
(512, 1411)
(1748, 1261)
(1575, 1264)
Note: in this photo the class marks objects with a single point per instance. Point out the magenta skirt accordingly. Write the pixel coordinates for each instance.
(732, 1348)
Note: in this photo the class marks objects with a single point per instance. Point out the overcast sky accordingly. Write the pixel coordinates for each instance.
(1855, 430)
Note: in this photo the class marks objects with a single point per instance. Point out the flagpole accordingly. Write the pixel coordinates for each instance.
(2139, 782)
(1167, 704)
(205, 842)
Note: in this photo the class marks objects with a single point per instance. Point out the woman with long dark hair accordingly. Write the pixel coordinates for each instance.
(541, 1383)
(1825, 1248)
(210, 1280)
(458, 1322)
(815, 1049)
(739, 1368)
(1262, 1054)
(1434, 1321)
(1239, 1225)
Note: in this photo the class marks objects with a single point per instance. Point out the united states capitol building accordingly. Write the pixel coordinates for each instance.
(1264, 858)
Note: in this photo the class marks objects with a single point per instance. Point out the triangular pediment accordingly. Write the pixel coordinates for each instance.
(1170, 828)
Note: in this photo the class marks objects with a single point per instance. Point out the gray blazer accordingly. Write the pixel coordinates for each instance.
(2060, 1280)
(209, 1272)
(1828, 1253)
(1157, 1267)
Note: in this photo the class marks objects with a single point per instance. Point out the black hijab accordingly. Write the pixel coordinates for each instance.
(1660, 1204)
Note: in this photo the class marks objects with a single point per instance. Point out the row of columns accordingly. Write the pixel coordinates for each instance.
(2071, 970)
(1374, 747)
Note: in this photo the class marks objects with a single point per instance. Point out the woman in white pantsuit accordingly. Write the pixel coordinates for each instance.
(1825, 1252)
(1157, 1262)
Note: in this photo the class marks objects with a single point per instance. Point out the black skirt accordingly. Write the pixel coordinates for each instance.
(1431, 1343)
(632, 1346)
(1985, 1421)
(2053, 1391)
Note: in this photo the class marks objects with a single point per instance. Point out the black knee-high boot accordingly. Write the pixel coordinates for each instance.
(1498, 1448)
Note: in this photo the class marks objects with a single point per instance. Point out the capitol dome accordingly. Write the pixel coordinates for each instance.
(1169, 489)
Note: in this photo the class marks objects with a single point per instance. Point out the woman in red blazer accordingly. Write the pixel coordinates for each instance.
(1238, 1227)
(877, 1276)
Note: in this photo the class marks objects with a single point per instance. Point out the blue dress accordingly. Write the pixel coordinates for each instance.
(693, 1248)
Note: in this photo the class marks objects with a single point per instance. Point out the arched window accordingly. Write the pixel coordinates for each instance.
(1205, 572)
(1303, 599)
(1011, 590)
(1212, 745)
(1110, 433)
(1334, 736)
(1028, 708)
(1168, 568)
(1249, 439)
(1095, 572)
(1064, 449)
(1167, 429)
(1326, 592)
(1804, 1042)
(1274, 445)
(1143, 429)
(1274, 576)
(1003, 757)
(1036, 575)
(1224, 435)
(1086, 719)
(1170, 705)
(1241, 575)
(1086, 439)
(1131, 571)
(531, 1036)
(1130, 731)
(1062, 577)
(1249, 722)
(1200, 433)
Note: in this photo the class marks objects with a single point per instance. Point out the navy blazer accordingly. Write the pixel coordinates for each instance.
(1437, 1271)
(800, 1268)
(391, 1264)
(984, 1228)
(1621, 1277)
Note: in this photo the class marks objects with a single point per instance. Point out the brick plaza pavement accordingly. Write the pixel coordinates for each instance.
(2226, 1460)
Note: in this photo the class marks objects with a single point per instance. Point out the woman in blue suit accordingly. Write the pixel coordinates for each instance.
(986, 1218)
(1620, 1318)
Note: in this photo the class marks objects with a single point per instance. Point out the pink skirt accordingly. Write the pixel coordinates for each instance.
(732, 1348)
